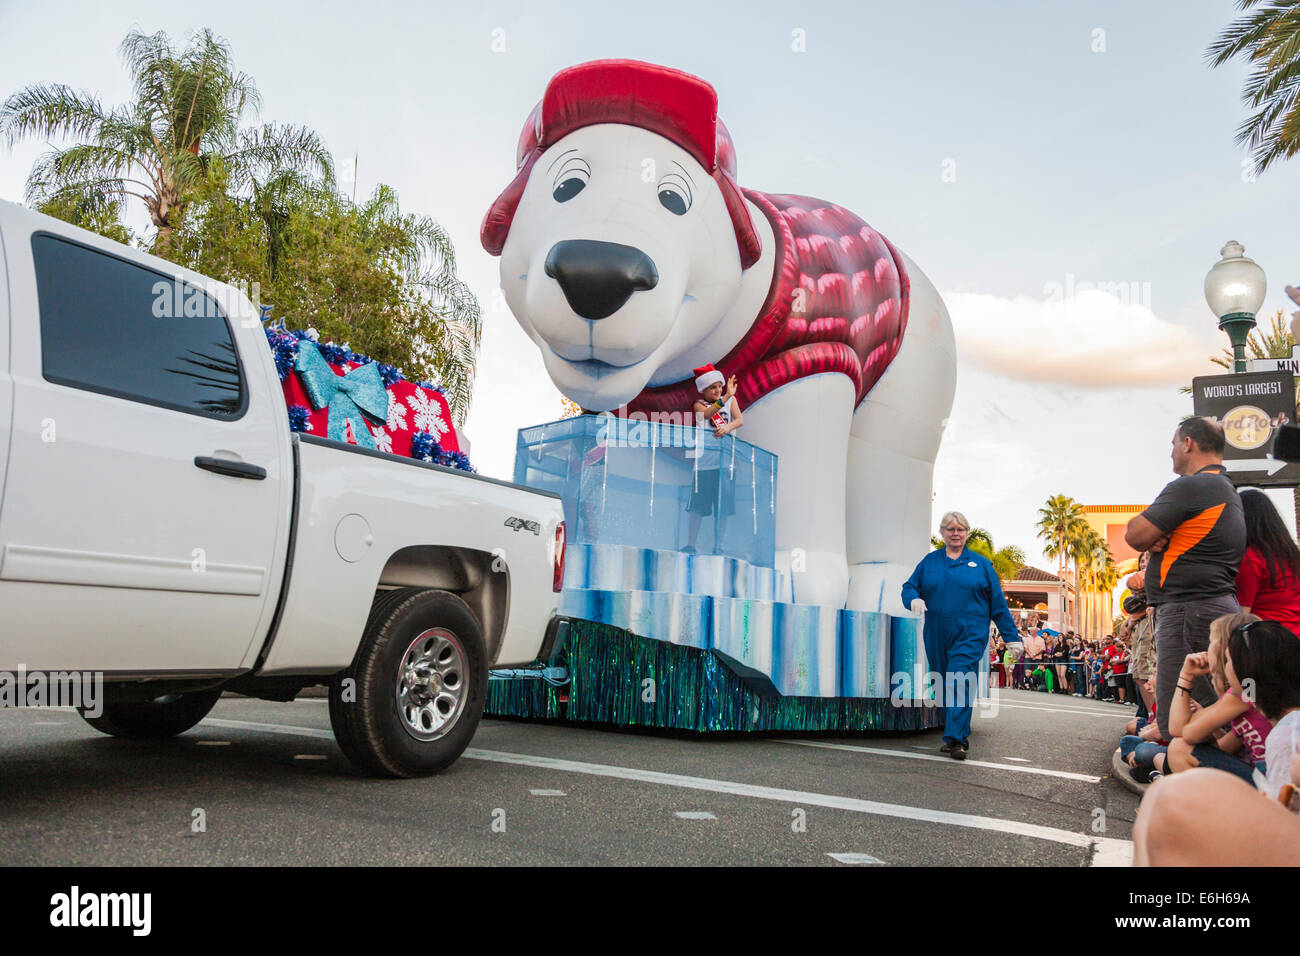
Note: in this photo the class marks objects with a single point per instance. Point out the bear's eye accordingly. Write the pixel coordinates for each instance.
(571, 178)
(569, 188)
(675, 194)
(672, 200)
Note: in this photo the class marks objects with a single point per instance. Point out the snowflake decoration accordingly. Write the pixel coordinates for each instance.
(428, 415)
(396, 414)
(383, 441)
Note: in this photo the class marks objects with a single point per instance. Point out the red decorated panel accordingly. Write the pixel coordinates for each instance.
(411, 409)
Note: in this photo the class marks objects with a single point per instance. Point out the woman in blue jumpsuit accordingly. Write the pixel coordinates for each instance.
(959, 593)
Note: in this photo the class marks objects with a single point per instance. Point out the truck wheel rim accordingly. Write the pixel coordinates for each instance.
(431, 684)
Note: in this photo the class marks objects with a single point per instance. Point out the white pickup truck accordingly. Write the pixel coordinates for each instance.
(160, 524)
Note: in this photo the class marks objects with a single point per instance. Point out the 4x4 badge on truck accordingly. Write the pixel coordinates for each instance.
(518, 523)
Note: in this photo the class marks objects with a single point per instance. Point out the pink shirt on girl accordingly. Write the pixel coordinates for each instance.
(1252, 727)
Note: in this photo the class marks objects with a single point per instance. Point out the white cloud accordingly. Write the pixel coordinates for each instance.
(1084, 339)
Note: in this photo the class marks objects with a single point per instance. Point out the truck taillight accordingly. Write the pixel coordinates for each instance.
(558, 581)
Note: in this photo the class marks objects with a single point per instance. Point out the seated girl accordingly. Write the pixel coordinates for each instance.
(1200, 738)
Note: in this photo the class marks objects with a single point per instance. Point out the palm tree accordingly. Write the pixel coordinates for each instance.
(182, 127)
(1097, 573)
(1081, 550)
(1267, 37)
(424, 256)
(1058, 523)
(1083, 546)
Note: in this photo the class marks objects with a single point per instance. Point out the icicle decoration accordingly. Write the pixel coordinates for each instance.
(654, 443)
(695, 467)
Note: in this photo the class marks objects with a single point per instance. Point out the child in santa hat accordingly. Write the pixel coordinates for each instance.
(717, 408)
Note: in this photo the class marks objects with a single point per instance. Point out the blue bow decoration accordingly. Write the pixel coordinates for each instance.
(346, 396)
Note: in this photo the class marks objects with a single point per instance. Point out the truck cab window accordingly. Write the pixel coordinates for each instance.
(113, 327)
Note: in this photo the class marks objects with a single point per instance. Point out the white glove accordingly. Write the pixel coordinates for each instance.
(918, 606)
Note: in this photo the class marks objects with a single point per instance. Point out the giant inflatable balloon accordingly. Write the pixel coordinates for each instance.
(631, 255)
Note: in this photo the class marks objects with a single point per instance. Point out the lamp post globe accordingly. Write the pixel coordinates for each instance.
(1234, 289)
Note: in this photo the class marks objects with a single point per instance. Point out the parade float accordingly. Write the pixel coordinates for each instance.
(631, 255)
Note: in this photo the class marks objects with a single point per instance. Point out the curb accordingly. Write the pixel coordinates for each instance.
(1120, 769)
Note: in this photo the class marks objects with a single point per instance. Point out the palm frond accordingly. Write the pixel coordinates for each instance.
(1267, 37)
(262, 151)
(50, 111)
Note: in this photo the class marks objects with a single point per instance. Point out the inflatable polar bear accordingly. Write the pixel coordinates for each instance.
(630, 256)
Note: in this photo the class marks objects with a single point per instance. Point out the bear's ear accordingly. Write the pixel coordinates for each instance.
(501, 214)
(747, 241)
(530, 137)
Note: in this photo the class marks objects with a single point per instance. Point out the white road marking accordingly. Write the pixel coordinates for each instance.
(548, 793)
(694, 815)
(212, 743)
(48, 723)
(1065, 710)
(1112, 853)
(887, 752)
(1106, 851)
(1018, 759)
(856, 859)
(269, 728)
(310, 757)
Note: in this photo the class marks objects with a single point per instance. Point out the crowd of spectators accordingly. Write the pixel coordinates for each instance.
(1057, 663)
(1211, 639)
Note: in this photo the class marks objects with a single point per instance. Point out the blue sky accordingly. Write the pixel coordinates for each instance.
(1072, 164)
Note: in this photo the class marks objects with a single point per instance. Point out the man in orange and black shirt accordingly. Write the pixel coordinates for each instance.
(1196, 533)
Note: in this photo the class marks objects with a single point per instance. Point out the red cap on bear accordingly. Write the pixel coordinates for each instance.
(673, 104)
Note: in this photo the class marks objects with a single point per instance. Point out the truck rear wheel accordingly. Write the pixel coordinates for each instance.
(413, 697)
(153, 719)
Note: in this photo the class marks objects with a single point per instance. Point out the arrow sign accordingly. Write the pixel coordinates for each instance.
(1270, 465)
(1291, 364)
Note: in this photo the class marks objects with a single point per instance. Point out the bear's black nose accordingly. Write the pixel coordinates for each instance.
(598, 277)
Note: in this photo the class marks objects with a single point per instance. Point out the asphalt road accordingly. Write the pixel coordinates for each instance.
(270, 787)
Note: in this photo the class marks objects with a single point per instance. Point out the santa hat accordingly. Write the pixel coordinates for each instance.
(705, 376)
(676, 105)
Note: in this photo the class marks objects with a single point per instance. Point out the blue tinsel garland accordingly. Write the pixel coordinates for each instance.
(426, 448)
(334, 354)
(298, 415)
(694, 691)
(284, 348)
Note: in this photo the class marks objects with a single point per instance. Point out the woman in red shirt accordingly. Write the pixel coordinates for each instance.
(1268, 583)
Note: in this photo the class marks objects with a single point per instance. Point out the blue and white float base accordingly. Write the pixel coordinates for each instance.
(668, 623)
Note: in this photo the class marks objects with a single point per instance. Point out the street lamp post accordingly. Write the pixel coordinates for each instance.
(1235, 288)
